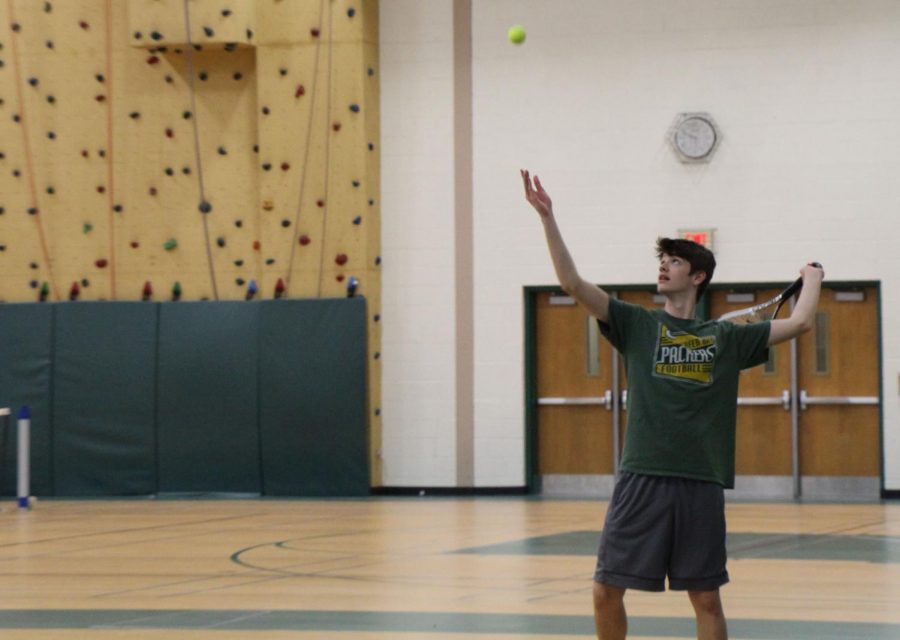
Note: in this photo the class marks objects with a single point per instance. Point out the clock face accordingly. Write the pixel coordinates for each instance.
(695, 137)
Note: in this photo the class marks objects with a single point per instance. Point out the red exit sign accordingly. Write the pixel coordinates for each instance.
(700, 236)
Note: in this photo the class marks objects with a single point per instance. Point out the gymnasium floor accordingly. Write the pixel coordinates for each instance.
(429, 568)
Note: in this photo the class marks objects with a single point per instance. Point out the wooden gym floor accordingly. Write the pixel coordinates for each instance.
(419, 568)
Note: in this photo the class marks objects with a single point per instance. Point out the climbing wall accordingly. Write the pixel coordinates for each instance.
(191, 150)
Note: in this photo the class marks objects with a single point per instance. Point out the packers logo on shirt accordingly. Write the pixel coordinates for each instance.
(684, 356)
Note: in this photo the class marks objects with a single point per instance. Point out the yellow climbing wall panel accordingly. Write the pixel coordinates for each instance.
(226, 148)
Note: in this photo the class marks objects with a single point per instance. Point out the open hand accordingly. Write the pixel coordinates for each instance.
(536, 195)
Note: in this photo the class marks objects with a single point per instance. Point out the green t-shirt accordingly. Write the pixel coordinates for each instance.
(682, 389)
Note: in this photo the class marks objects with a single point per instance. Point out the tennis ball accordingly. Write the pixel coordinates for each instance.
(516, 34)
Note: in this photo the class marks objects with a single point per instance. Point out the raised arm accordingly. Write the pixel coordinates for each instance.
(803, 316)
(595, 299)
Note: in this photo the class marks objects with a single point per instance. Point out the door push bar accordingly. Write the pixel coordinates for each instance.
(605, 401)
(806, 400)
(784, 401)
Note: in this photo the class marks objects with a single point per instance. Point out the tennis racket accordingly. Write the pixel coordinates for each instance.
(767, 310)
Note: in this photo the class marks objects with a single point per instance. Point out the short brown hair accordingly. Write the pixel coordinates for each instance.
(699, 257)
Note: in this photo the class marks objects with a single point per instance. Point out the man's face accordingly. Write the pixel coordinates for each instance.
(674, 275)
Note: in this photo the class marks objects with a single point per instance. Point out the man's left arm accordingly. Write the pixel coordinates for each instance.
(803, 316)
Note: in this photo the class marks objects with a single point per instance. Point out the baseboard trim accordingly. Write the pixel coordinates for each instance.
(449, 491)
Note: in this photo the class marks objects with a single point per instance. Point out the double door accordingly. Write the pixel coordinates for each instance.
(808, 419)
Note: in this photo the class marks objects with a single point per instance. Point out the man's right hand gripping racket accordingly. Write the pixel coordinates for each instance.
(767, 310)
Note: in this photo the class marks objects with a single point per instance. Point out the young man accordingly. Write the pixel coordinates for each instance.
(666, 517)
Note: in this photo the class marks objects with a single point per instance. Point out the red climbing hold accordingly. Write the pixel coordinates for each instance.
(101, 263)
(301, 90)
(304, 240)
(341, 259)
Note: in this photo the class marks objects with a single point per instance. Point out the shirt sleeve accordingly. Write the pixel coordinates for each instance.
(752, 343)
(622, 317)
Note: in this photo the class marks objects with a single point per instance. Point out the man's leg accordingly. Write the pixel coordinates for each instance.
(609, 612)
(710, 615)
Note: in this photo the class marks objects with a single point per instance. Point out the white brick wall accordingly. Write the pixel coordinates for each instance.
(806, 95)
(418, 331)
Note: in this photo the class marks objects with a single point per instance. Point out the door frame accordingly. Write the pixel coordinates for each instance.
(533, 478)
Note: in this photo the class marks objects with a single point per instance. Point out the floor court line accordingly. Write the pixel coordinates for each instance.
(427, 623)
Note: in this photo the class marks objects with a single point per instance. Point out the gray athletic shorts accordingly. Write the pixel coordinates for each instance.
(659, 526)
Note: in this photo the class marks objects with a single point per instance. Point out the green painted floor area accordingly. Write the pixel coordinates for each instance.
(875, 549)
(426, 622)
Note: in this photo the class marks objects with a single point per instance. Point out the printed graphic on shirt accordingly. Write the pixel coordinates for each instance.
(684, 356)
